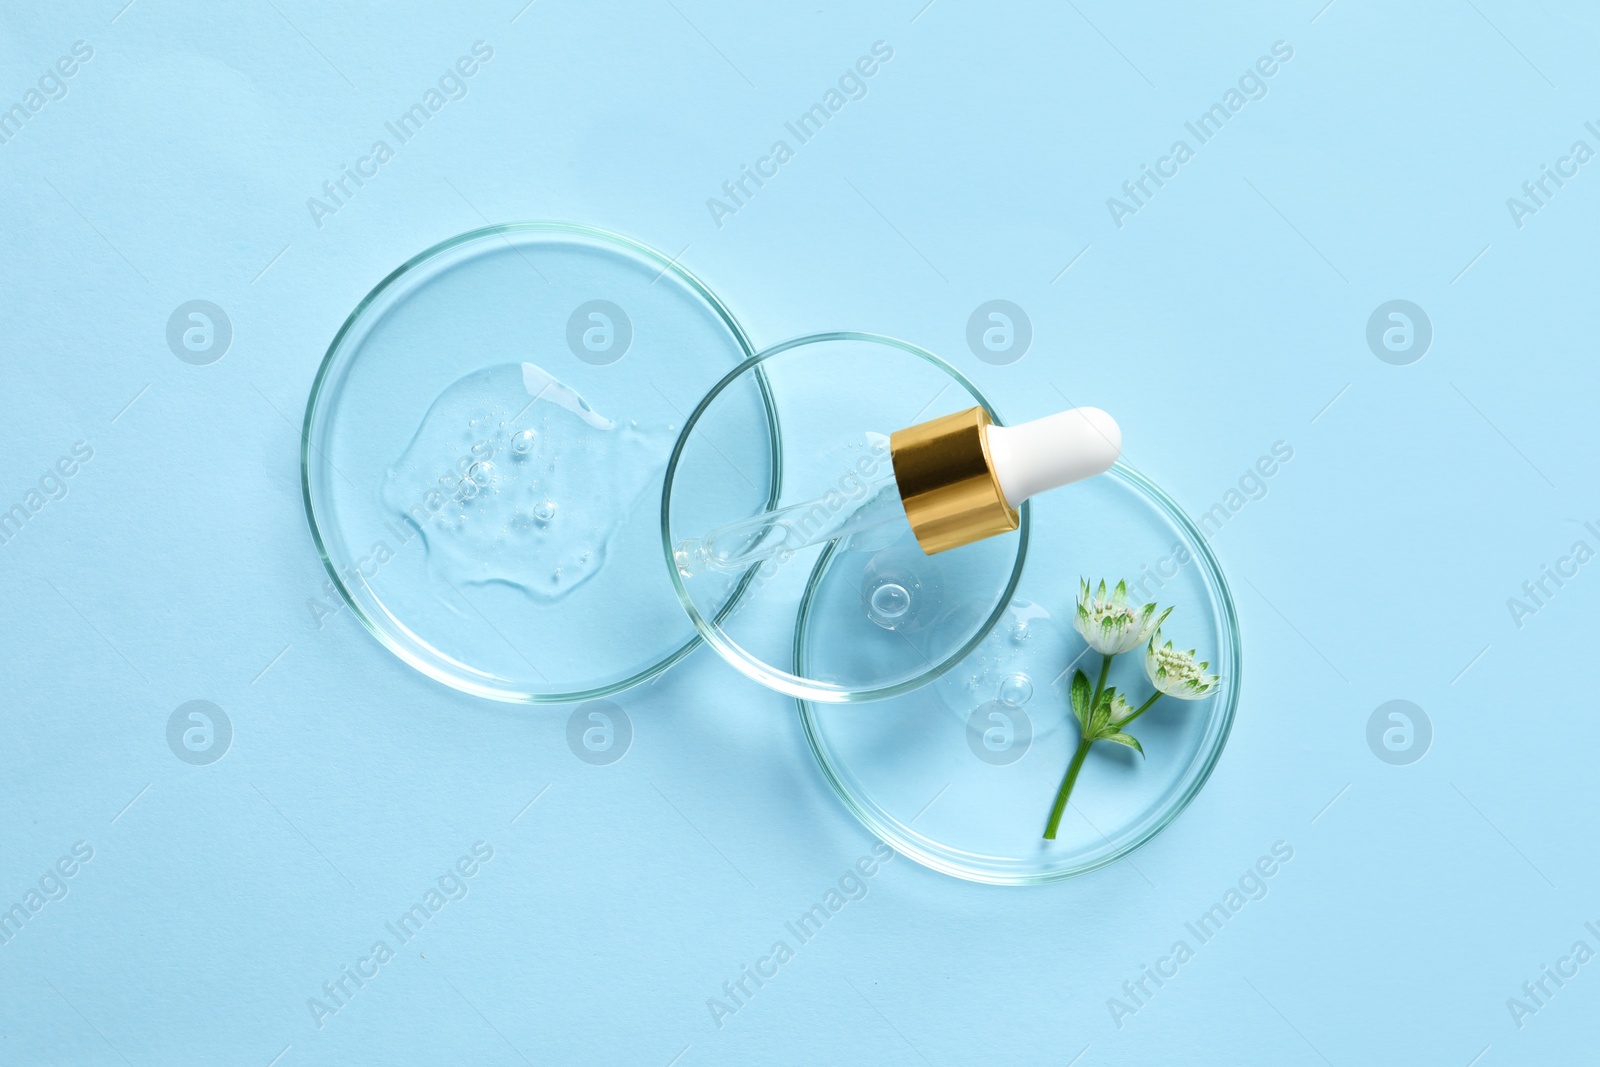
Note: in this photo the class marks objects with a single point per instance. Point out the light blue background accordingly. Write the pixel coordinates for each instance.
(1227, 315)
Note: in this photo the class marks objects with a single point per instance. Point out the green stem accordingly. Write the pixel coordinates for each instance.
(1123, 725)
(1100, 685)
(1060, 806)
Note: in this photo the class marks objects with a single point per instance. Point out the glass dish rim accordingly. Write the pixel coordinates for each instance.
(543, 226)
(892, 833)
(765, 674)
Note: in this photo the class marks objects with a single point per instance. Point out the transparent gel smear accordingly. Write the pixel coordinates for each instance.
(1022, 665)
(513, 478)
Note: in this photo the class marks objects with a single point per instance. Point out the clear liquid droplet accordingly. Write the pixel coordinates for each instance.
(1016, 690)
(889, 604)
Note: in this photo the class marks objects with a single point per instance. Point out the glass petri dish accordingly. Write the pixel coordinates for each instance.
(906, 617)
(485, 444)
(961, 775)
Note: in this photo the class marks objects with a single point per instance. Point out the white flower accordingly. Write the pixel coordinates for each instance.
(1116, 707)
(1176, 673)
(1109, 625)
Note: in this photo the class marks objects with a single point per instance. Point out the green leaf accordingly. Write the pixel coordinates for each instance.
(1100, 716)
(1081, 693)
(1124, 739)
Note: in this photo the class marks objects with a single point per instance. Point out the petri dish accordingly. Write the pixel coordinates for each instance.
(961, 774)
(484, 450)
(904, 617)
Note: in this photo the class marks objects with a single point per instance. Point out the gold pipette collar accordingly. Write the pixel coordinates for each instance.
(947, 481)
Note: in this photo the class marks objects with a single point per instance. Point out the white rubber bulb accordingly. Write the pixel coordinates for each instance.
(1053, 451)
